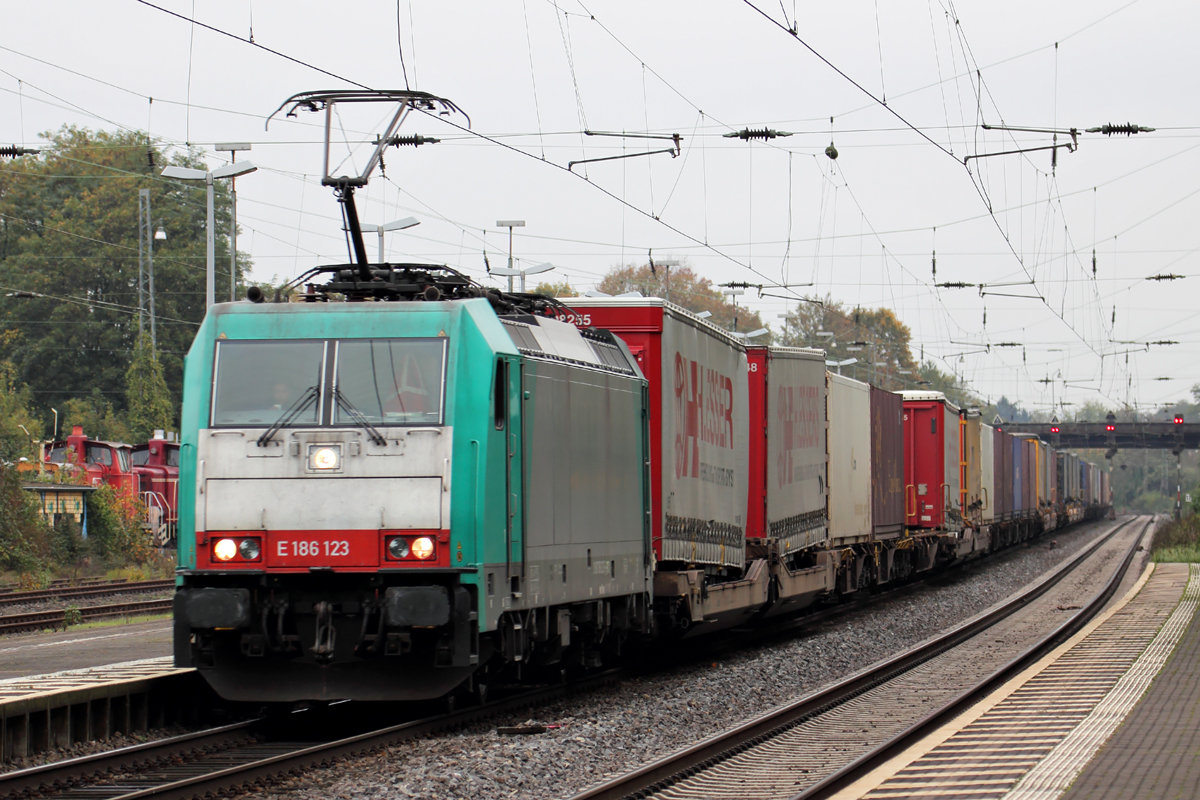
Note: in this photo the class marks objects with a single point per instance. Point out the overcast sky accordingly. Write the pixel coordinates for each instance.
(533, 75)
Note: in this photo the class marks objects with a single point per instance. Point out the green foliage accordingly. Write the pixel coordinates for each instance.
(683, 287)
(69, 232)
(18, 425)
(870, 336)
(146, 394)
(97, 416)
(72, 616)
(956, 390)
(115, 532)
(562, 289)
(1177, 541)
(24, 544)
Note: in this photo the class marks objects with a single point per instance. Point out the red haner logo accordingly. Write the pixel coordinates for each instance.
(703, 413)
(798, 412)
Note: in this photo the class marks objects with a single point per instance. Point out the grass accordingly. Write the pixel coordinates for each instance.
(1177, 542)
(1182, 553)
(111, 623)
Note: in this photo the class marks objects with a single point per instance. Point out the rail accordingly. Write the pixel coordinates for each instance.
(92, 590)
(669, 770)
(40, 620)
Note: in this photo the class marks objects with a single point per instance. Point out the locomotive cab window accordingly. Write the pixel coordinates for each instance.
(500, 395)
(257, 383)
(98, 454)
(390, 381)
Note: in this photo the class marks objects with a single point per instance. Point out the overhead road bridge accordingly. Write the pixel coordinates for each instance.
(1173, 436)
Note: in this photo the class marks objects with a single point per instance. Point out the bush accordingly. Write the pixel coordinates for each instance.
(1177, 541)
(24, 544)
(115, 527)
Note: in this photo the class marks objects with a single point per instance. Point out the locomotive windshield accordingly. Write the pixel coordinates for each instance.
(391, 381)
(256, 382)
(385, 381)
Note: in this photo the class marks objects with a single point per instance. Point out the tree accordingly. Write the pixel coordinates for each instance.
(875, 338)
(1011, 412)
(146, 395)
(683, 287)
(97, 416)
(69, 242)
(24, 545)
(956, 391)
(562, 289)
(18, 425)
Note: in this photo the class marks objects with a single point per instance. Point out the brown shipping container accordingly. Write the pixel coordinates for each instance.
(1004, 475)
(887, 463)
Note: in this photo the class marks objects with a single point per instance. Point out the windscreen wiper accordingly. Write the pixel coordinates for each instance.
(357, 417)
(294, 410)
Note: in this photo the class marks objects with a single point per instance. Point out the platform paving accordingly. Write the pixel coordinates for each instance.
(41, 653)
(1112, 713)
(1155, 754)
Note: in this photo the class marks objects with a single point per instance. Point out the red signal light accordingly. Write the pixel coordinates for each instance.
(1054, 429)
(1179, 419)
(1110, 428)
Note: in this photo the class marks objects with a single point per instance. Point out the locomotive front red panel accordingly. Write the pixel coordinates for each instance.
(323, 548)
(924, 467)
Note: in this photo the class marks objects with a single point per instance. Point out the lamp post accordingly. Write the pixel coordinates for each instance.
(510, 224)
(233, 148)
(396, 225)
(843, 363)
(732, 294)
(146, 237)
(208, 176)
(512, 273)
(666, 263)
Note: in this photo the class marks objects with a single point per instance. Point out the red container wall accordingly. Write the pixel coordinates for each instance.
(887, 462)
(699, 420)
(924, 463)
(756, 513)
(787, 497)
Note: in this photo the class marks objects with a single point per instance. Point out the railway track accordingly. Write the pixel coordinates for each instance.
(810, 748)
(89, 590)
(254, 753)
(58, 583)
(247, 754)
(40, 620)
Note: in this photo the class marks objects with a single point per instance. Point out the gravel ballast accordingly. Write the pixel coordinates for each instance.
(641, 719)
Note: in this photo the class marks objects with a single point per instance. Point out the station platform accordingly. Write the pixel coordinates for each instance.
(41, 653)
(1114, 712)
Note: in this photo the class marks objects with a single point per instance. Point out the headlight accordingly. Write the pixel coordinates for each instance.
(422, 547)
(250, 549)
(324, 458)
(398, 547)
(225, 550)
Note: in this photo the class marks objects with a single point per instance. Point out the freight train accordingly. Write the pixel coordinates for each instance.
(404, 485)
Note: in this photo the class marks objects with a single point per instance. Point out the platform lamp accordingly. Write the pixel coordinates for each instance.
(208, 176)
(512, 273)
(395, 225)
